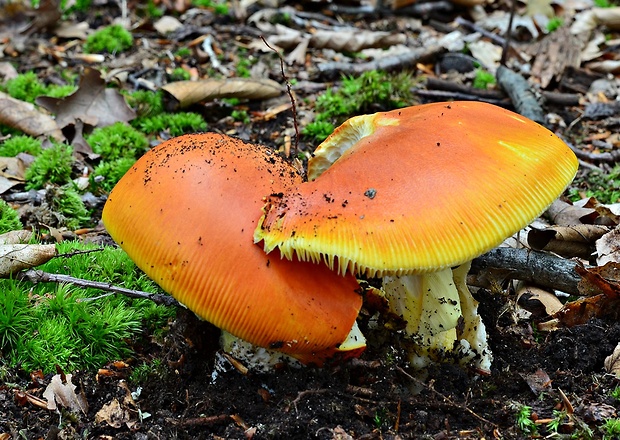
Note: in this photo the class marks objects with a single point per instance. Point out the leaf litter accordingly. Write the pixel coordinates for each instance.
(372, 397)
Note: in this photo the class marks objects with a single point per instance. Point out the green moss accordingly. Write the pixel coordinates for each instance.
(372, 91)
(218, 7)
(9, 219)
(116, 141)
(483, 79)
(241, 116)
(146, 103)
(20, 144)
(183, 52)
(603, 187)
(554, 24)
(52, 165)
(44, 325)
(25, 87)
(317, 130)
(66, 201)
(174, 123)
(611, 429)
(111, 39)
(111, 172)
(179, 74)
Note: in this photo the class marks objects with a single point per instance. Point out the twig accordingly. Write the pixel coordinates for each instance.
(475, 28)
(303, 394)
(403, 61)
(541, 268)
(207, 46)
(38, 276)
(506, 45)
(442, 84)
(443, 95)
(520, 94)
(202, 421)
(612, 156)
(290, 95)
(444, 397)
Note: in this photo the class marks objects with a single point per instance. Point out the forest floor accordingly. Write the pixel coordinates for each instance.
(541, 385)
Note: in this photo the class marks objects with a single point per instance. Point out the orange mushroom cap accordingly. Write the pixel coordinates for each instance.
(419, 189)
(185, 214)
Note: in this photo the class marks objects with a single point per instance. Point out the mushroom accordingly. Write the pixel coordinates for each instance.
(413, 195)
(185, 214)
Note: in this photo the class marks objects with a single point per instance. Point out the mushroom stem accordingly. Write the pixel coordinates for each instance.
(441, 316)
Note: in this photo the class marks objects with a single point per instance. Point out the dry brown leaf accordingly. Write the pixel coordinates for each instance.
(17, 257)
(63, 394)
(25, 117)
(117, 413)
(538, 381)
(539, 302)
(567, 241)
(190, 92)
(93, 103)
(354, 40)
(608, 248)
(15, 237)
(601, 288)
(565, 214)
(612, 362)
(113, 414)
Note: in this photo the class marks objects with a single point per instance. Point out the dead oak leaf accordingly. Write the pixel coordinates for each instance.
(25, 117)
(93, 103)
(185, 93)
(601, 289)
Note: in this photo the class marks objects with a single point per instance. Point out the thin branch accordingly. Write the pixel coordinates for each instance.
(290, 94)
(38, 276)
(541, 268)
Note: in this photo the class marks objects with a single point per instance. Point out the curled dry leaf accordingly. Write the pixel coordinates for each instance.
(63, 394)
(612, 362)
(118, 413)
(17, 257)
(354, 40)
(538, 381)
(25, 117)
(538, 302)
(601, 289)
(190, 92)
(567, 241)
(608, 248)
(93, 103)
(15, 237)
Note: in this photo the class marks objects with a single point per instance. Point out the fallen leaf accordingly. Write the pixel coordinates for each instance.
(167, 24)
(538, 302)
(15, 237)
(25, 117)
(93, 103)
(538, 381)
(63, 394)
(17, 257)
(567, 241)
(601, 288)
(117, 413)
(186, 93)
(113, 414)
(608, 248)
(612, 362)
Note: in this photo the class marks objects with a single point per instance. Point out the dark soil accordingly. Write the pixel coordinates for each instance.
(375, 397)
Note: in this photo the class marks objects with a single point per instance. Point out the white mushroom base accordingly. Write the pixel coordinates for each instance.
(442, 318)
